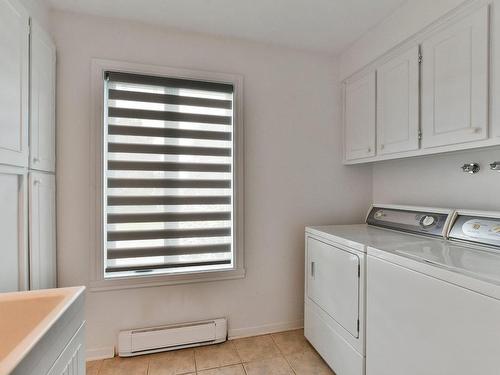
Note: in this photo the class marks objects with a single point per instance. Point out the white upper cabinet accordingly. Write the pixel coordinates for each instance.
(14, 45)
(359, 117)
(398, 103)
(42, 236)
(455, 82)
(42, 104)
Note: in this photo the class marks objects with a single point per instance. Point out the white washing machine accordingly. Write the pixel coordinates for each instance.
(396, 297)
(433, 308)
(335, 282)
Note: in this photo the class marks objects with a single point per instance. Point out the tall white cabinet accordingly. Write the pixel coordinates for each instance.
(42, 234)
(14, 52)
(42, 101)
(27, 152)
(13, 229)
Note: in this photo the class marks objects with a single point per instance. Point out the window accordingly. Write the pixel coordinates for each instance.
(170, 175)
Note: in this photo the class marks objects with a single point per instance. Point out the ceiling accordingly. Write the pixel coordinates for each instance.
(326, 26)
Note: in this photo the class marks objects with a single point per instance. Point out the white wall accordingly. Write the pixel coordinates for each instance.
(38, 10)
(293, 171)
(405, 21)
(439, 181)
(434, 180)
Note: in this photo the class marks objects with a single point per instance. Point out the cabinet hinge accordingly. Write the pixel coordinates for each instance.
(419, 134)
(358, 325)
(359, 271)
(420, 58)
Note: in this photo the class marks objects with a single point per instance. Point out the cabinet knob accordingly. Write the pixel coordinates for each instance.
(476, 130)
(382, 147)
(36, 160)
(369, 149)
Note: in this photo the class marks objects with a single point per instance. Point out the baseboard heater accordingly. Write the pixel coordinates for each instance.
(171, 337)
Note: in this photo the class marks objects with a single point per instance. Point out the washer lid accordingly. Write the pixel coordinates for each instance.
(481, 228)
(483, 265)
(427, 221)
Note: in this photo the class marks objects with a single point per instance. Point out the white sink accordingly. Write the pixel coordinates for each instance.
(26, 317)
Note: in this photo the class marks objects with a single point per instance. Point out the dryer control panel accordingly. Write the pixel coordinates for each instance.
(412, 220)
(477, 229)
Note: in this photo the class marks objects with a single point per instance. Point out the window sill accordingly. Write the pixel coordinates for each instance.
(162, 280)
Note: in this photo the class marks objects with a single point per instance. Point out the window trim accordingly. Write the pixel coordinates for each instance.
(97, 282)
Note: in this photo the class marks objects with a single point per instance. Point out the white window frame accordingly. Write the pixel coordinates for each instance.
(97, 281)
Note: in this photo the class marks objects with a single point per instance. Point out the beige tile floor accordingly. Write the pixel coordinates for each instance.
(276, 354)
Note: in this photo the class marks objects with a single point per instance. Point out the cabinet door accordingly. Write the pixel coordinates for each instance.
(455, 82)
(397, 103)
(14, 44)
(333, 282)
(13, 254)
(42, 230)
(72, 360)
(359, 117)
(42, 104)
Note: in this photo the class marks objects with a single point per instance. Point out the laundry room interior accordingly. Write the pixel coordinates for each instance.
(229, 187)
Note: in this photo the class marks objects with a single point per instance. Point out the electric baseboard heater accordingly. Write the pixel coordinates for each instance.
(171, 337)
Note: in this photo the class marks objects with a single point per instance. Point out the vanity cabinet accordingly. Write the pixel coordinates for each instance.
(42, 100)
(398, 103)
(42, 230)
(14, 52)
(359, 117)
(455, 82)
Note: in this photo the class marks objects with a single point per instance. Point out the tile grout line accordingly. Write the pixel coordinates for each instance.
(194, 359)
(283, 355)
(239, 356)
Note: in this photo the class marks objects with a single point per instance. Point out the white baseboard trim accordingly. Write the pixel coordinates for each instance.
(102, 353)
(238, 333)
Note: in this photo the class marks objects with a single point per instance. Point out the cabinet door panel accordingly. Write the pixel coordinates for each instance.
(12, 229)
(397, 103)
(359, 117)
(42, 231)
(333, 282)
(42, 105)
(72, 360)
(14, 46)
(455, 82)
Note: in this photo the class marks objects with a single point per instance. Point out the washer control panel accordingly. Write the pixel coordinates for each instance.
(478, 229)
(408, 220)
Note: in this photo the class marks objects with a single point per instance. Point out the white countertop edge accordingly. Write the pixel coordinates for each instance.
(316, 231)
(22, 349)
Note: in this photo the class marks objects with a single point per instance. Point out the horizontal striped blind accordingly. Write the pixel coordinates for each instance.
(169, 174)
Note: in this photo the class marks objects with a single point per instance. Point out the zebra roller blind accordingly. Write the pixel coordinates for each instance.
(168, 175)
